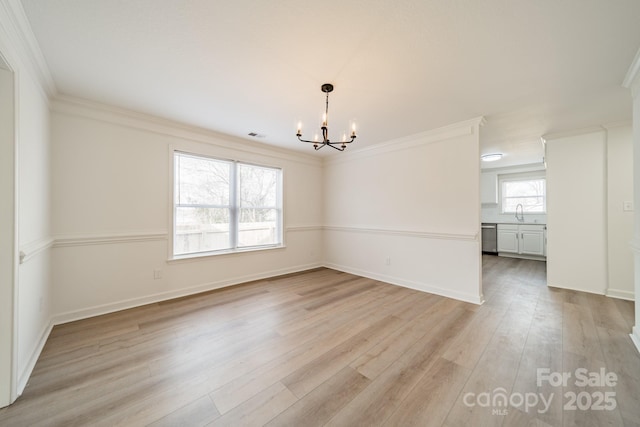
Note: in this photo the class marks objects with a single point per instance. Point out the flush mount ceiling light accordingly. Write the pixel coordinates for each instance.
(492, 157)
(318, 144)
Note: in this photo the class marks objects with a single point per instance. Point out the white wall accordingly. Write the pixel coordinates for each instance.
(620, 222)
(589, 177)
(34, 290)
(577, 212)
(111, 186)
(408, 212)
(32, 293)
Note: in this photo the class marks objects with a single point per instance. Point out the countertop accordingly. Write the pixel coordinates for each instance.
(516, 223)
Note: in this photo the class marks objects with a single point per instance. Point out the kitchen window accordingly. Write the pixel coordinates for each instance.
(528, 190)
(223, 206)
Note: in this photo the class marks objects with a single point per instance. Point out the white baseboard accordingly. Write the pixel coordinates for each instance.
(612, 293)
(23, 377)
(98, 310)
(568, 288)
(474, 299)
(617, 293)
(522, 256)
(635, 337)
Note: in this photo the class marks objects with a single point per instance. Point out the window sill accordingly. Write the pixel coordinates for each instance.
(209, 255)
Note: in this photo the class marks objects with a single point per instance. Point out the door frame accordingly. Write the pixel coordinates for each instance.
(9, 231)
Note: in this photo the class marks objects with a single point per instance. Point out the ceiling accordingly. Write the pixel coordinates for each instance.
(400, 67)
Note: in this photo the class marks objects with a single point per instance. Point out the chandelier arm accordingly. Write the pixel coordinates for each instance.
(344, 142)
(310, 142)
(326, 143)
(334, 146)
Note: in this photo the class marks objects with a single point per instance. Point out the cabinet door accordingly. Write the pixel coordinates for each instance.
(489, 188)
(532, 243)
(508, 241)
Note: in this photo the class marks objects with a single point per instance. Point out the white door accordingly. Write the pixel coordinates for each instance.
(7, 231)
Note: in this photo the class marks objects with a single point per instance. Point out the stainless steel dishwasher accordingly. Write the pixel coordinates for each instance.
(489, 238)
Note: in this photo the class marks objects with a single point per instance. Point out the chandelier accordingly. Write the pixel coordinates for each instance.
(318, 144)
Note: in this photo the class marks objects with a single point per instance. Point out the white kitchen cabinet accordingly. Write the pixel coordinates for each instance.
(532, 240)
(508, 238)
(489, 188)
(521, 239)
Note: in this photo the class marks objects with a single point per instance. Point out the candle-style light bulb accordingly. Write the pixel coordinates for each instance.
(299, 128)
(353, 129)
(315, 137)
(324, 119)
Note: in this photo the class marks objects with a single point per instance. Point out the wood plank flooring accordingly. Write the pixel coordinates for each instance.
(329, 348)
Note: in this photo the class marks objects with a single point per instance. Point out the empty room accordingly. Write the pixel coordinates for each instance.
(341, 213)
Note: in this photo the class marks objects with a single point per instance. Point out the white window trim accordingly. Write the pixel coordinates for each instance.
(521, 176)
(233, 190)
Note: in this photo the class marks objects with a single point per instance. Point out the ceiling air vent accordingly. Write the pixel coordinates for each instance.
(256, 135)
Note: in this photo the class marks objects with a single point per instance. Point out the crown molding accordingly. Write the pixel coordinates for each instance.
(558, 135)
(618, 124)
(14, 23)
(73, 106)
(527, 167)
(583, 131)
(455, 130)
(632, 80)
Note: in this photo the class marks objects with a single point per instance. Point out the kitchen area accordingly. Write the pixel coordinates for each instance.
(581, 227)
(513, 214)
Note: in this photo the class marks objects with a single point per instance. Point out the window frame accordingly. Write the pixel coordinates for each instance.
(522, 176)
(279, 204)
(234, 206)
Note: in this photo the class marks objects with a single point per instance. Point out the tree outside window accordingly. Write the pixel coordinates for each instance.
(530, 193)
(222, 205)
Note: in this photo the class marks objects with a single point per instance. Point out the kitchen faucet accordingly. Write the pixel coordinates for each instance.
(521, 217)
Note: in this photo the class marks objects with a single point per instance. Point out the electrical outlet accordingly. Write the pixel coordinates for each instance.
(627, 206)
(387, 261)
(157, 274)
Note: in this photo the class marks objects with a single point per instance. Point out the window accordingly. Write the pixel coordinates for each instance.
(526, 190)
(223, 205)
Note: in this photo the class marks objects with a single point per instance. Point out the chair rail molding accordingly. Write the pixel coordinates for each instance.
(109, 238)
(403, 232)
(32, 249)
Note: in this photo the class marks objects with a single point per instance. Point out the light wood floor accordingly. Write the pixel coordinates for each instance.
(329, 348)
